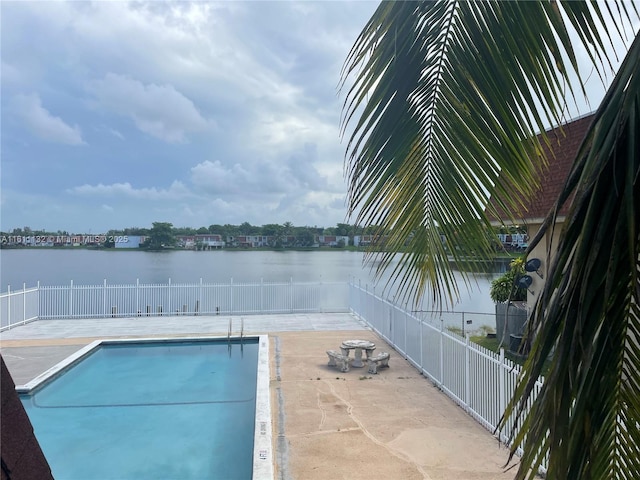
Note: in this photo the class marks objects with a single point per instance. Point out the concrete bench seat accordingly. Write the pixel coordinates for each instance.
(382, 359)
(337, 359)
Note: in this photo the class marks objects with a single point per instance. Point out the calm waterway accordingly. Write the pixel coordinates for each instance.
(92, 267)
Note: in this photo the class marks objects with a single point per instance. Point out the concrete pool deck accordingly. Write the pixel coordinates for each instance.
(326, 424)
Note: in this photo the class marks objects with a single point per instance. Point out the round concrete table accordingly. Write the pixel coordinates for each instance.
(358, 346)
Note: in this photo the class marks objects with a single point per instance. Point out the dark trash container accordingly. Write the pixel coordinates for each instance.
(514, 343)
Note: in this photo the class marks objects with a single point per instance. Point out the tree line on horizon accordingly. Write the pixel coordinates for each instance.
(230, 230)
(163, 235)
(226, 230)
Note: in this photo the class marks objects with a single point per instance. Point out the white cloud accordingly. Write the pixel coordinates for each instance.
(261, 176)
(116, 133)
(217, 178)
(42, 123)
(159, 110)
(9, 73)
(120, 190)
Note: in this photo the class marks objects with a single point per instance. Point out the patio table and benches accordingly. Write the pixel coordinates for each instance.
(344, 361)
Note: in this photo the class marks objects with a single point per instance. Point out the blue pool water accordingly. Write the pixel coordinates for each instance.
(157, 410)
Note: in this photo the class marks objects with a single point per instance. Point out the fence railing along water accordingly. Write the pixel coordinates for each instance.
(480, 381)
(129, 300)
(141, 300)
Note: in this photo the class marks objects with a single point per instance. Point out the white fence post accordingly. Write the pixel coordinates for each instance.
(467, 373)
(405, 333)
(24, 303)
(104, 297)
(441, 379)
(392, 331)
(501, 382)
(9, 305)
(71, 299)
(421, 345)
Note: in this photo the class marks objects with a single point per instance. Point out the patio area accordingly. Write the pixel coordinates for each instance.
(326, 424)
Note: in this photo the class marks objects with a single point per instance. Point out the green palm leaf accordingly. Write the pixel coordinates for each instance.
(587, 317)
(445, 100)
(442, 104)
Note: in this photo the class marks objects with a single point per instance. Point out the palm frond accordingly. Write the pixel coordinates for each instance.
(446, 98)
(588, 317)
(442, 104)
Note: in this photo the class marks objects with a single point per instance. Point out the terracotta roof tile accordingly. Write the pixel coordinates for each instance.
(564, 142)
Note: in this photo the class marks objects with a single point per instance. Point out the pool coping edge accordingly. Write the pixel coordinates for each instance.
(263, 441)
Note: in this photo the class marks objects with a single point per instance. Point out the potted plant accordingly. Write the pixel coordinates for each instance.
(510, 298)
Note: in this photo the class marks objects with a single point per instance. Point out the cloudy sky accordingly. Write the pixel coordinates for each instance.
(120, 114)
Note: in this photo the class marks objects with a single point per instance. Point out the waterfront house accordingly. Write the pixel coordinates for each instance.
(367, 240)
(332, 240)
(201, 241)
(248, 241)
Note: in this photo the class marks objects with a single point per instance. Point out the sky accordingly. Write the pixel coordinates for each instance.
(118, 114)
(121, 114)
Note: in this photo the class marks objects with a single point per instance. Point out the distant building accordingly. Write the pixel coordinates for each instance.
(332, 240)
(249, 241)
(514, 241)
(367, 240)
(201, 241)
(127, 241)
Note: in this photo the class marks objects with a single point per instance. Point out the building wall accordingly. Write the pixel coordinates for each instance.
(132, 241)
(541, 252)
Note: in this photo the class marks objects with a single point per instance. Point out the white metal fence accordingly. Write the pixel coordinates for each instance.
(474, 323)
(93, 301)
(479, 380)
(18, 307)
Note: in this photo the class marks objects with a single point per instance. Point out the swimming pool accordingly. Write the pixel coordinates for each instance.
(156, 409)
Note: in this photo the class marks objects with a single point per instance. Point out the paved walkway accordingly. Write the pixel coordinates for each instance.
(327, 424)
